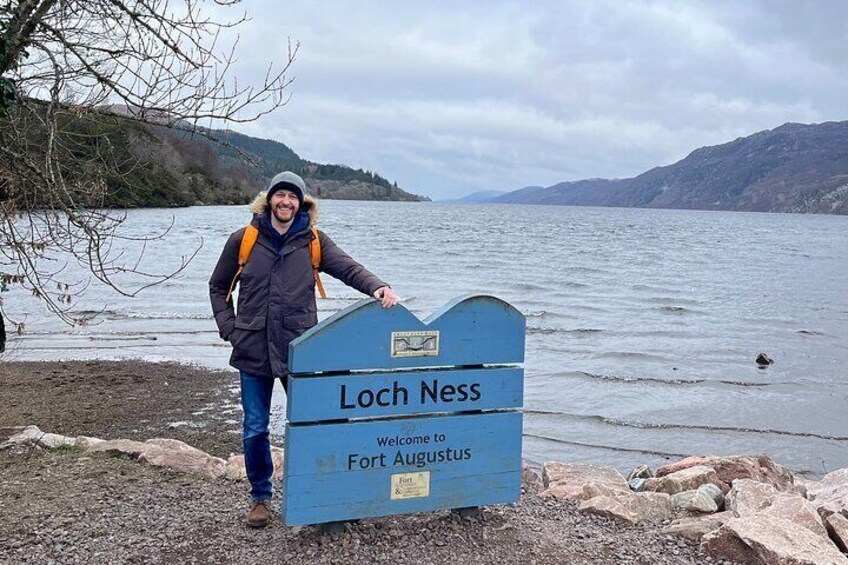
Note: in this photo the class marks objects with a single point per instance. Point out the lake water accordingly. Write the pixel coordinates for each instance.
(643, 325)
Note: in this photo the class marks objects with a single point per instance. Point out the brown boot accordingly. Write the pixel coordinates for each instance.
(260, 514)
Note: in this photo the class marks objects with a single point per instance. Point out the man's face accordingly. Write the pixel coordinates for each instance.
(284, 205)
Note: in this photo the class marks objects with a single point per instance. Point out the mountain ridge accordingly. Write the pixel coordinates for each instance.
(255, 161)
(791, 168)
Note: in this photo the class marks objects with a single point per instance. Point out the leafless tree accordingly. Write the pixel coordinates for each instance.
(74, 74)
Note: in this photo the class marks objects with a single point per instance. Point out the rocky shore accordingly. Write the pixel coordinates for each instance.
(136, 462)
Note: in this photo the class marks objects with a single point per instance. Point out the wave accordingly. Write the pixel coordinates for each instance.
(115, 335)
(574, 331)
(124, 346)
(165, 316)
(607, 447)
(666, 426)
(678, 310)
(107, 314)
(671, 302)
(89, 313)
(122, 337)
(674, 382)
(583, 269)
(651, 288)
(541, 331)
(571, 284)
(529, 287)
(628, 355)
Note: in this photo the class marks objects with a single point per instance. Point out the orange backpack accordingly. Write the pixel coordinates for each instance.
(249, 240)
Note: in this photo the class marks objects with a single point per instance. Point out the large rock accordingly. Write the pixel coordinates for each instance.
(798, 510)
(529, 477)
(86, 443)
(54, 441)
(748, 497)
(123, 447)
(802, 484)
(180, 456)
(760, 468)
(610, 508)
(625, 505)
(29, 435)
(637, 485)
(694, 501)
(277, 458)
(837, 527)
(653, 507)
(713, 492)
(169, 453)
(564, 480)
(640, 472)
(236, 469)
(767, 540)
(32, 435)
(830, 495)
(689, 478)
(696, 527)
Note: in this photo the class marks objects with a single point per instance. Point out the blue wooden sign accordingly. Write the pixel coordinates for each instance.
(473, 330)
(370, 395)
(383, 467)
(423, 418)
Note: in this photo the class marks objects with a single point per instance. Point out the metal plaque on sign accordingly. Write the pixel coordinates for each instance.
(415, 344)
(410, 485)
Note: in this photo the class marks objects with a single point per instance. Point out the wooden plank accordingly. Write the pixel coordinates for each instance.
(369, 395)
(349, 470)
(497, 488)
(472, 330)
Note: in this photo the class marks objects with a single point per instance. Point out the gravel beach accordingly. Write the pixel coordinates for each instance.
(66, 506)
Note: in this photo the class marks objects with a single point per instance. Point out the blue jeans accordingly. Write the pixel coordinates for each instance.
(256, 403)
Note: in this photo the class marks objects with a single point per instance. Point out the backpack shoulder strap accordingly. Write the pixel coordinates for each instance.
(248, 240)
(315, 256)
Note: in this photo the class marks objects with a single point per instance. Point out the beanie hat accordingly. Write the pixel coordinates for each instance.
(289, 181)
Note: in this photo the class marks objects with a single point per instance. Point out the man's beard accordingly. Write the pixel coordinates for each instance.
(284, 214)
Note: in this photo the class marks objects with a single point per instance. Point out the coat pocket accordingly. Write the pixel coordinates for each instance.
(250, 323)
(245, 327)
(300, 321)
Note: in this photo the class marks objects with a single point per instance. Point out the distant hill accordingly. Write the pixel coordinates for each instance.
(516, 196)
(476, 197)
(251, 162)
(792, 168)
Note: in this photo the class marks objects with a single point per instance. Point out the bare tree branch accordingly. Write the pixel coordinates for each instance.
(90, 81)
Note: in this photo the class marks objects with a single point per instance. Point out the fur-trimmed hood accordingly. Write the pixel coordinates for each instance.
(310, 206)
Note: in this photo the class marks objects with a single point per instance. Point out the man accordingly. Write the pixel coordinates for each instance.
(276, 304)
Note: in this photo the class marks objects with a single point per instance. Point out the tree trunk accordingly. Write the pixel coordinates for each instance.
(2, 334)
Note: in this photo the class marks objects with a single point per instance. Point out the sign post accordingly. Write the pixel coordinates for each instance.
(388, 414)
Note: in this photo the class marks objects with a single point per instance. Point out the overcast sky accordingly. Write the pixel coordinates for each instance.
(448, 98)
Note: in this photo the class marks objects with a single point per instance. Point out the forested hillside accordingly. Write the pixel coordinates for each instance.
(791, 168)
(151, 166)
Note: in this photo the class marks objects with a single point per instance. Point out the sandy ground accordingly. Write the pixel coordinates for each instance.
(66, 506)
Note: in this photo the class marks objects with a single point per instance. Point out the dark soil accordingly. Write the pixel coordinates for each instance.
(66, 506)
(124, 399)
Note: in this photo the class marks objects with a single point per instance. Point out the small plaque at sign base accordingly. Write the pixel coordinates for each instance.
(410, 485)
(415, 344)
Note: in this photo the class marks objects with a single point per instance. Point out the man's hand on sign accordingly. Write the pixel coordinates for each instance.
(386, 296)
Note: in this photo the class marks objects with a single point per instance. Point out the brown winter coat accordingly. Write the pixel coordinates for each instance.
(276, 300)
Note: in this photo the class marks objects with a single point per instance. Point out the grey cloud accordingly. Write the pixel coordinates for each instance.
(449, 100)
